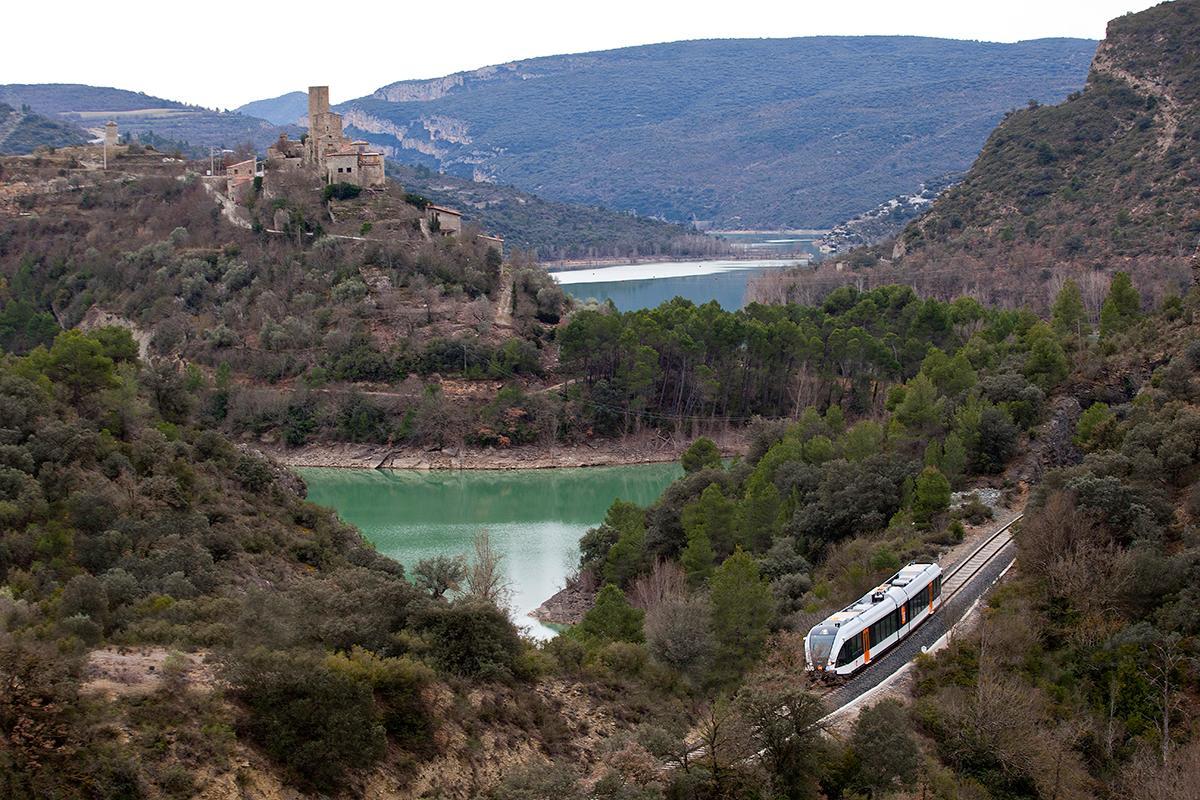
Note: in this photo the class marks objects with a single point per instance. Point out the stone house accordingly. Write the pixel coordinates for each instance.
(240, 176)
(447, 221)
(494, 242)
(285, 153)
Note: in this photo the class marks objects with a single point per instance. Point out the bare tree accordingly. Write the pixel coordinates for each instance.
(725, 740)
(1170, 657)
(666, 580)
(485, 576)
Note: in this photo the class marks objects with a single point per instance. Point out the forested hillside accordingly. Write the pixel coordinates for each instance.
(1079, 680)
(765, 133)
(282, 319)
(176, 620)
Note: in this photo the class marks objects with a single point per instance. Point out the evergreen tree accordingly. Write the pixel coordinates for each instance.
(697, 557)
(611, 619)
(885, 752)
(1121, 307)
(1068, 314)
(758, 515)
(1096, 428)
(742, 607)
(954, 458)
(919, 409)
(1046, 364)
(702, 453)
(714, 514)
(931, 496)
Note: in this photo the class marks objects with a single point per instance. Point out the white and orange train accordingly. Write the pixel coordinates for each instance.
(866, 629)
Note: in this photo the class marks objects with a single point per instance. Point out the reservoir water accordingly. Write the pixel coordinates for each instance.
(636, 286)
(533, 517)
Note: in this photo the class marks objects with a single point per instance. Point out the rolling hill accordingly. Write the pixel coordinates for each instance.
(165, 123)
(287, 109)
(743, 133)
(23, 131)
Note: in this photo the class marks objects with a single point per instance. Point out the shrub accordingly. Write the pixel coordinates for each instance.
(702, 453)
(340, 191)
(315, 721)
(472, 638)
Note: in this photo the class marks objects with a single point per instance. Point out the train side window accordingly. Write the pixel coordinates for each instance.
(851, 649)
(937, 586)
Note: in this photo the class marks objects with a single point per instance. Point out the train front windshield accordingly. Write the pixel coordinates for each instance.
(820, 644)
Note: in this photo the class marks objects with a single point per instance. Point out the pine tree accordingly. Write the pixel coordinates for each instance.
(611, 619)
(702, 454)
(713, 512)
(954, 458)
(697, 558)
(932, 495)
(1046, 365)
(1068, 315)
(1122, 306)
(758, 515)
(742, 607)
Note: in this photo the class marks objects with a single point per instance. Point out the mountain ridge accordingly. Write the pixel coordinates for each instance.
(745, 133)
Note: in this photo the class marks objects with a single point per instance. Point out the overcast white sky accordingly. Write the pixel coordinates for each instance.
(209, 52)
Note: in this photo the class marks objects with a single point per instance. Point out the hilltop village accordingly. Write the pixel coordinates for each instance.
(344, 167)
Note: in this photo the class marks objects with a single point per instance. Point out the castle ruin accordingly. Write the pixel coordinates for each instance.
(326, 148)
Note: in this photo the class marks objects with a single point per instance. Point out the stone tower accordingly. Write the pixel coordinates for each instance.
(110, 134)
(324, 127)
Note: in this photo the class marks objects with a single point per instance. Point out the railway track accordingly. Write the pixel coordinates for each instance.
(962, 585)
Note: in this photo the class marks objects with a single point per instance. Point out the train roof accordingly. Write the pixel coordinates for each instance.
(893, 588)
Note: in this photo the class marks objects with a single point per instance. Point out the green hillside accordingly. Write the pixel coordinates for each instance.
(746, 133)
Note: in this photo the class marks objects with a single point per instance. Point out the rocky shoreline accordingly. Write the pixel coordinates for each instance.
(566, 606)
(642, 449)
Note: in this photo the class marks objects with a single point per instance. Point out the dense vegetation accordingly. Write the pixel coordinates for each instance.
(125, 523)
(1080, 680)
(746, 133)
(680, 363)
(1077, 684)
(299, 316)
